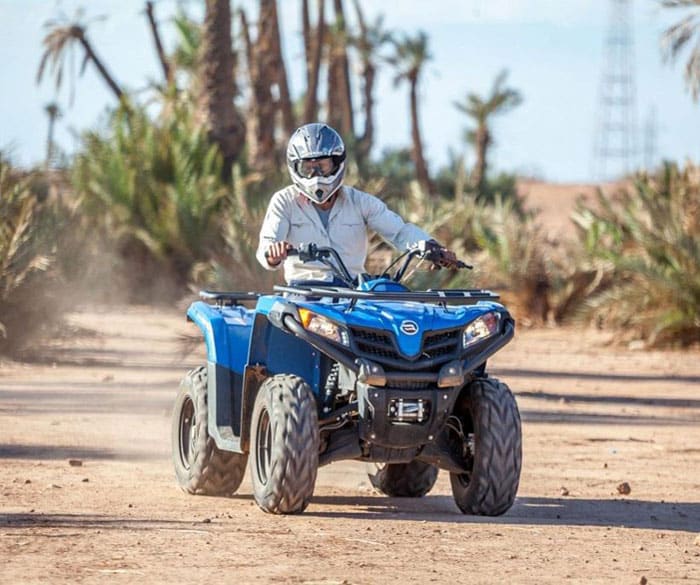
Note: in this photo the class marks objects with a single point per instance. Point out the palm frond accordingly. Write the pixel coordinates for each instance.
(678, 36)
(28, 240)
(649, 241)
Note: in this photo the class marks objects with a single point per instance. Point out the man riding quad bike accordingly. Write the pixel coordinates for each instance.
(317, 373)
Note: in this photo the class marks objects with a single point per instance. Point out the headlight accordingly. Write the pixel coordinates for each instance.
(319, 325)
(481, 328)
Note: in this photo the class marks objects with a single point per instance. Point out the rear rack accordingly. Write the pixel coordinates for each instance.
(451, 296)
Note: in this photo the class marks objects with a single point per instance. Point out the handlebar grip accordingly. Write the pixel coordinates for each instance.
(291, 251)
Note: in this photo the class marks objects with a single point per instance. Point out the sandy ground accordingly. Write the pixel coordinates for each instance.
(555, 202)
(87, 491)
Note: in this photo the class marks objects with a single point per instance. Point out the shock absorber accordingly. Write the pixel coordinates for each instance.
(330, 388)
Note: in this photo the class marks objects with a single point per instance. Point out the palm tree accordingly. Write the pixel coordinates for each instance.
(500, 100)
(678, 36)
(313, 49)
(410, 55)
(369, 41)
(260, 130)
(60, 40)
(155, 31)
(340, 110)
(217, 86)
(54, 113)
(284, 101)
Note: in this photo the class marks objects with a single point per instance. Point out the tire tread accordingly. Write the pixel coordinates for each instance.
(212, 471)
(498, 455)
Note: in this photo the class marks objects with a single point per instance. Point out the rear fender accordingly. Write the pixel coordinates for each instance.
(226, 333)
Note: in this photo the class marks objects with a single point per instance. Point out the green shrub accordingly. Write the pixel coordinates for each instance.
(515, 257)
(647, 243)
(233, 265)
(152, 188)
(504, 244)
(29, 289)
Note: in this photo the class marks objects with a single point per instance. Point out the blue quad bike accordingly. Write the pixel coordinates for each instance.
(371, 371)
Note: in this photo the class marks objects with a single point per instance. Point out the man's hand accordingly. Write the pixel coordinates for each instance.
(277, 252)
(442, 257)
(448, 259)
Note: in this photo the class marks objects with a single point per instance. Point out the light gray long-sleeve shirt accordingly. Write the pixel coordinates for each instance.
(291, 217)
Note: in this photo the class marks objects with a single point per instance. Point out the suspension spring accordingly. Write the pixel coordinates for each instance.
(330, 388)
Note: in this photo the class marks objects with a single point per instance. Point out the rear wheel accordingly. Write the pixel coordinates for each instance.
(404, 480)
(490, 487)
(284, 445)
(200, 466)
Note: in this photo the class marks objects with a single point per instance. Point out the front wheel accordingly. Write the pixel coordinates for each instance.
(404, 480)
(200, 466)
(489, 488)
(284, 445)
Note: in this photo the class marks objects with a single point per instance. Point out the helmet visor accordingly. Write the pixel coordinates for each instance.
(316, 167)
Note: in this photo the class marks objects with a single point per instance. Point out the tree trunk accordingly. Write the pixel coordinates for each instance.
(482, 140)
(260, 128)
(340, 112)
(90, 54)
(165, 65)
(366, 140)
(280, 71)
(217, 84)
(313, 43)
(53, 113)
(422, 174)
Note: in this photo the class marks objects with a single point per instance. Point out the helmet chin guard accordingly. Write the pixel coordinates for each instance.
(320, 189)
(316, 141)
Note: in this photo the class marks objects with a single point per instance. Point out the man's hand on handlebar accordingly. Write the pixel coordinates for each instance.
(277, 252)
(442, 257)
(447, 259)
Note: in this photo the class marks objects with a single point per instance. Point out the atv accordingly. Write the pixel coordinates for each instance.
(363, 369)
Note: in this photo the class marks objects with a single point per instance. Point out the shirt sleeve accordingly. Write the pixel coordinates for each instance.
(275, 228)
(387, 223)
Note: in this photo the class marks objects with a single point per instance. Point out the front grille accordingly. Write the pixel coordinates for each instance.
(373, 343)
(380, 345)
(441, 343)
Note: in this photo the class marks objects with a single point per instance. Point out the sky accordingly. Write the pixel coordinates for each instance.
(553, 51)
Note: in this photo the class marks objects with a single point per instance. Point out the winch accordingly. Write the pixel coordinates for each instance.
(413, 411)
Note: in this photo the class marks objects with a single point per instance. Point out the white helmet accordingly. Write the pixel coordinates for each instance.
(307, 145)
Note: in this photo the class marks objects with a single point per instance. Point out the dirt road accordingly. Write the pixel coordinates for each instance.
(88, 493)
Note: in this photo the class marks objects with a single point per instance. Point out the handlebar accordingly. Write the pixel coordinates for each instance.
(433, 252)
(310, 250)
(328, 256)
(428, 250)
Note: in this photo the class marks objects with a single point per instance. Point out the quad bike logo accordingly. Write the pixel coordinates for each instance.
(409, 327)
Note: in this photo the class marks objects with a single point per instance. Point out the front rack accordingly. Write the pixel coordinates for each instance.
(441, 296)
(445, 296)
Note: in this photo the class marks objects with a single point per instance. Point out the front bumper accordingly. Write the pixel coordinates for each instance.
(399, 419)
